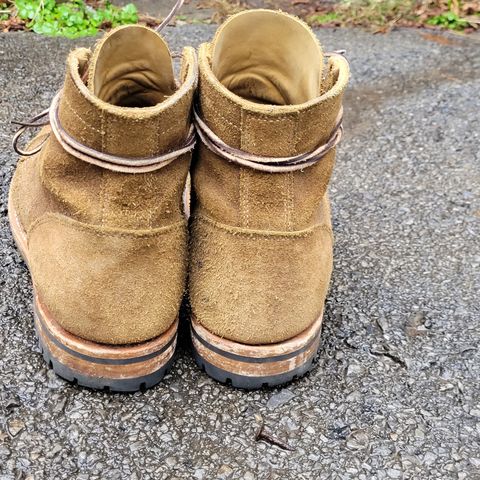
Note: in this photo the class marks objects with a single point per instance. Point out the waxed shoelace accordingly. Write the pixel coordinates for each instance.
(108, 161)
(264, 163)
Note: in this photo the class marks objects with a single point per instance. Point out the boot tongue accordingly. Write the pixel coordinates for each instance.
(131, 67)
(268, 57)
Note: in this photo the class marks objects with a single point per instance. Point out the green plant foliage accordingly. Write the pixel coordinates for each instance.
(4, 11)
(73, 18)
(380, 15)
(325, 18)
(448, 20)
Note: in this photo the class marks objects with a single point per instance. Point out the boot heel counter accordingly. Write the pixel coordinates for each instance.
(273, 284)
(106, 285)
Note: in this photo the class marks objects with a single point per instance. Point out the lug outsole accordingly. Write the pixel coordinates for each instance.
(255, 366)
(126, 368)
(108, 385)
(252, 383)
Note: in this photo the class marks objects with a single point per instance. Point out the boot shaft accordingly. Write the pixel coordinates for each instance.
(267, 92)
(116, 112)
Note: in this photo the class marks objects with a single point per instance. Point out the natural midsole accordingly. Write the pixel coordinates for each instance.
(119, 355)
(103, 361)
(256, 360)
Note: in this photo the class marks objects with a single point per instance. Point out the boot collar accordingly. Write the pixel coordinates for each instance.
(129, 133)
(271, 130)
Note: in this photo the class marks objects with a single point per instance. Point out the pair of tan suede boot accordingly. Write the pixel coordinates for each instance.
(99, 204)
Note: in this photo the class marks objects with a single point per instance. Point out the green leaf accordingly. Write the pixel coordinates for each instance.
(448, 20)
(73, 18)
(325, 18)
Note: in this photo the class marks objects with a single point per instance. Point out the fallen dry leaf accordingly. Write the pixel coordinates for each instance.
(440, 39)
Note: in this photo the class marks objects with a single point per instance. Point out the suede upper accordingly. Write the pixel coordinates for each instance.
(261, 243)
(107, 250)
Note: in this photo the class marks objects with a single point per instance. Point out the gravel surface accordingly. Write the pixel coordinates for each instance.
(396, 391)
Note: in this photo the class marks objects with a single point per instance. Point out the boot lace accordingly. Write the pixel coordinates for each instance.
(264, 163)
(211, 141)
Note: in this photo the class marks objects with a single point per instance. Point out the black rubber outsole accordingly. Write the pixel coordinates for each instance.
(252, 383)
(129, 385)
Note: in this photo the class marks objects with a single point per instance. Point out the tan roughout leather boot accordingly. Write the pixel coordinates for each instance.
(97, 212)
(269, 116)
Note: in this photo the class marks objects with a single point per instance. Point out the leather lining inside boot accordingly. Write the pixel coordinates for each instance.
(132, 67)
(267, 57)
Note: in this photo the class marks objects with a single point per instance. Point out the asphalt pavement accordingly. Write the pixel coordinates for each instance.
(396, 390)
